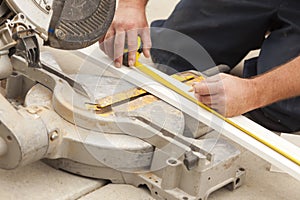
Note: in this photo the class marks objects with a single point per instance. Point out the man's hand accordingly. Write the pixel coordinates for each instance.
(227, 94)
(129, 23)
(232, 96)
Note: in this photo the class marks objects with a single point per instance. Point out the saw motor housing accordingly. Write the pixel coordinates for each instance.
(61, 24)
(64, 24)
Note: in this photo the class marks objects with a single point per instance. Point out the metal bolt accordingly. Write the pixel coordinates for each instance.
(22, 16)
(48, 7)
(60, 34)
(54, 135)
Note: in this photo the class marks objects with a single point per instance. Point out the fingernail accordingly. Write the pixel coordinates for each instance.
(130, 63)
(117, 64)
(191, 90)
(147, 53)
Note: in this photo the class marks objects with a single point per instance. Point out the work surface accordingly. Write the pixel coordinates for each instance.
(39, 181)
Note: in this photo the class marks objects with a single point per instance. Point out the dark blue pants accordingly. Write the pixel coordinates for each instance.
(228, 30)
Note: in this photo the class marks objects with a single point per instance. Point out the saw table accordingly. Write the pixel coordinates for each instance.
(106, 123)
(122, 134)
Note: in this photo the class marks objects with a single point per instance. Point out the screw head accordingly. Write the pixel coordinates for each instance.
(54, 135)
(48, 7)
(60, 34)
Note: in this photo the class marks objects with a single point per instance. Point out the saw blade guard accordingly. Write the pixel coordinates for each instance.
(63, 24)
(78, 24)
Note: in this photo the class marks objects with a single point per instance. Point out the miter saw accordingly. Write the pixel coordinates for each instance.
(98, 126)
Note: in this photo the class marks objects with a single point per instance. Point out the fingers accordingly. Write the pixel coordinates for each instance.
(107, 44)
(216, 78)
(146, 38)
(128, 23)
(119, 48)
(215, 102)
(132, 44)
(211, 93)
(207, 99)
(114, 43)
(208, 88)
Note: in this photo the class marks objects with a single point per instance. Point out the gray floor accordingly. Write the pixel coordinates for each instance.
(39, 181)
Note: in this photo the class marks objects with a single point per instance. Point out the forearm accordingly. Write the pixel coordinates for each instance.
(278, 84)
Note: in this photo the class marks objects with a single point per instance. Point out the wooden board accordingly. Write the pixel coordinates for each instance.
(133, 76)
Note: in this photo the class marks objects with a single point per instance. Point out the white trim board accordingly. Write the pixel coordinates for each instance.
(132, 75)
(293, 138)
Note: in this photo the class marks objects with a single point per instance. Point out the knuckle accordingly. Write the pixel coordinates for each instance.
(128, 25)
(220, 87)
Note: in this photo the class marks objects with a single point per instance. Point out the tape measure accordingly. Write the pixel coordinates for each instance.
(146, 70)
(137, 54)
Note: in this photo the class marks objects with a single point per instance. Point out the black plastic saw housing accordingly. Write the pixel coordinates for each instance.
(77, 24)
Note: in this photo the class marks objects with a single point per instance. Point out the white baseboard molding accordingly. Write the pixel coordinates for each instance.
(135, 77)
